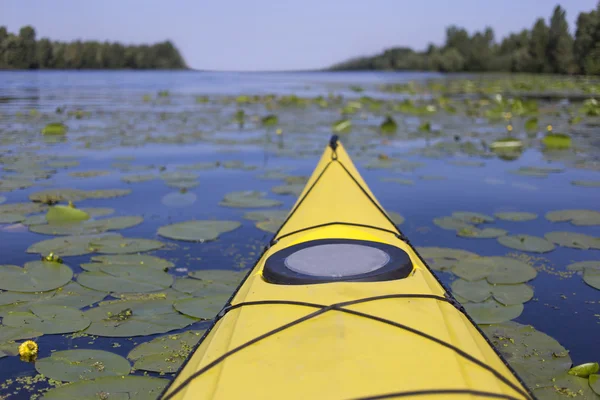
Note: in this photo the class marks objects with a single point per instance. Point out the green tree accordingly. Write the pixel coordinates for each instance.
(538, 43)
(560, 43)
(586, 48)
(43, 52)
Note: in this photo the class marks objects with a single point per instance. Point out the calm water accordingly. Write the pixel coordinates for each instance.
(119, 124)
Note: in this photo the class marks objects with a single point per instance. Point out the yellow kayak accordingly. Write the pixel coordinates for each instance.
(340, 306)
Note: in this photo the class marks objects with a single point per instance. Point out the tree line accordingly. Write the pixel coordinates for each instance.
(546, 48)
(23, 51)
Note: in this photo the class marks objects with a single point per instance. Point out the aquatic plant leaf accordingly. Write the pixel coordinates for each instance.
(509, 270)
(106, 193)
(82, 364)
(71, 295)
(473, 268)
(506, 143)
(98, 211)
(516, 216)
(218, 276)
(594, 382)
(22, 208)
(400, 181)
(120, 245)
(197, 231)
(528, 243)
(577, 217)
(35, 276)
(396, 218)
(126, 279)
(133, 259)
(248, 199)
(472, 217)
(64, 246)
(266, 215)
(202, 307)
(492, 312)
(164, 353)
(178, 199)
(9, 218)
(127, 318)
(475, 291)
(583, 265)
(199, 166)
(89, 227)
(89, 173)
(592, 277)
(587, 183)
(269, 120)
(388, 126)
(573, 240)
(342, 126)
(535, 356)
(512, 294)
(137, 178)
(129, 387)
(451, 223)
(444, 252)
(531, 124)
(271, 226)
(584, 370)
(54, 128)
(10, 334)
(563, 387)
(477, 233)
(49, 319)
(557, 141)
(292, 189)
(63, 214)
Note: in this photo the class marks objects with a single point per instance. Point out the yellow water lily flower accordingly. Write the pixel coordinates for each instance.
(28, 351)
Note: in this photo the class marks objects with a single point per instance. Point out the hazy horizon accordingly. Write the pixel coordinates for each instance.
(265, 36)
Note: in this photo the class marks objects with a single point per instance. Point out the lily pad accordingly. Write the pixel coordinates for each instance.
(178, 199)
(202, 307)
(81, 245)
(557, 141)
(54, 128)
(132, 259)
(594, 382)
(72, 295)
(476, 291)
(9, 218)
(126, 279)
(127, 318)
(388, 126)
(271, 226)
(485, 233)
(2, 199)
(587, 183)
(266, 215)
(592, 278)
(120, 245)
(512, 294)
(396, 218)
(574, 240)
(508, 143)
(577, 217)
(106, 193)
(510, 271)
(10, 334)
(49, 319)
(89, 227)
(583, 265)
(199, 166)
(165, 353)
(35, 276)
(441, 258)
(98, 211)
(492, 312)
(401, 181)
(137, 178)
(473, 268)
(130, 387)
(291, 189)
(197, 231)
(472, 217)
(535, 356)
(529, 243)
(451, 223)
(84, 364)
(89, 174)
(516, 216)
(248, 199)
(342, 126)
(565, 386)
(584, 370)
(22, 208)
(219, 276)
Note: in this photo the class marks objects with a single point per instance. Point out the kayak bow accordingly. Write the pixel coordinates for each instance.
(340, 306)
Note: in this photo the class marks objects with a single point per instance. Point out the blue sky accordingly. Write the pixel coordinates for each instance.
(255, 35)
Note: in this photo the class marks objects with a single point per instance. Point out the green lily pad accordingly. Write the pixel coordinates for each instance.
(137, 178)
(11, 334)
(577, 217)
(388, 126)
(72, 295)
(535, 356)
(106, 193)
(269, 120)
(89, 227)
(180, 180)
(84, 364)
(583, 265)
(271, 226)
(565, 386)
(130, 260)
(451, 223)
(478, 291)
(114, 244)
(126, 279)
(219, 276)
(396, 218)
(401, 181)
(89, 174)
(485, 233)
(98, 211)
(594, 382)
(342, 126)
(475, 291)
(202, 307)
(199, 166)
(64, 246)
(291, 189)
(531, 124)
(63, 163)
(165, 354)
(8, 218)
(472, 217)
(197, 231)
(442, 258)
(54, 128)
(266, 215)
(529, 243)
(512, 294)
(473, 268)
(584, 370)
(509, 270)
(516, 216)
(492, 312)
(127, 318)
(178, 199)
(48, 319)
(592, 277)
(248, 199)
(130, 387)
(573, 240)
(35, 276)
(557, 141)
(22, 208)
(587, 183)
(506, 144)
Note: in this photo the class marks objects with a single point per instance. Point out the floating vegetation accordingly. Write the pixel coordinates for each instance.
(54, 128)
(49, 319)
(576, 217)
(164, 354)
(342, 126)
(35, 276)
(126, 279)
(130, 387)
(80, 245)
(202, 307)
(516, 216)
(82, 364)
(179, 199)
(528, 243)
(557, 141)
(248, 199)
(197, 231)
(573, 240)
(492, 312)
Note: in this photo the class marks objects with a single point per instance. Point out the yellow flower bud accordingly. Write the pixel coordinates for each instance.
(509, 128)
(28, 351)
(279, 131)
(549, 128)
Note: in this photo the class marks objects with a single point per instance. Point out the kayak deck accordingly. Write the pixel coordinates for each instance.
(380, 336)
